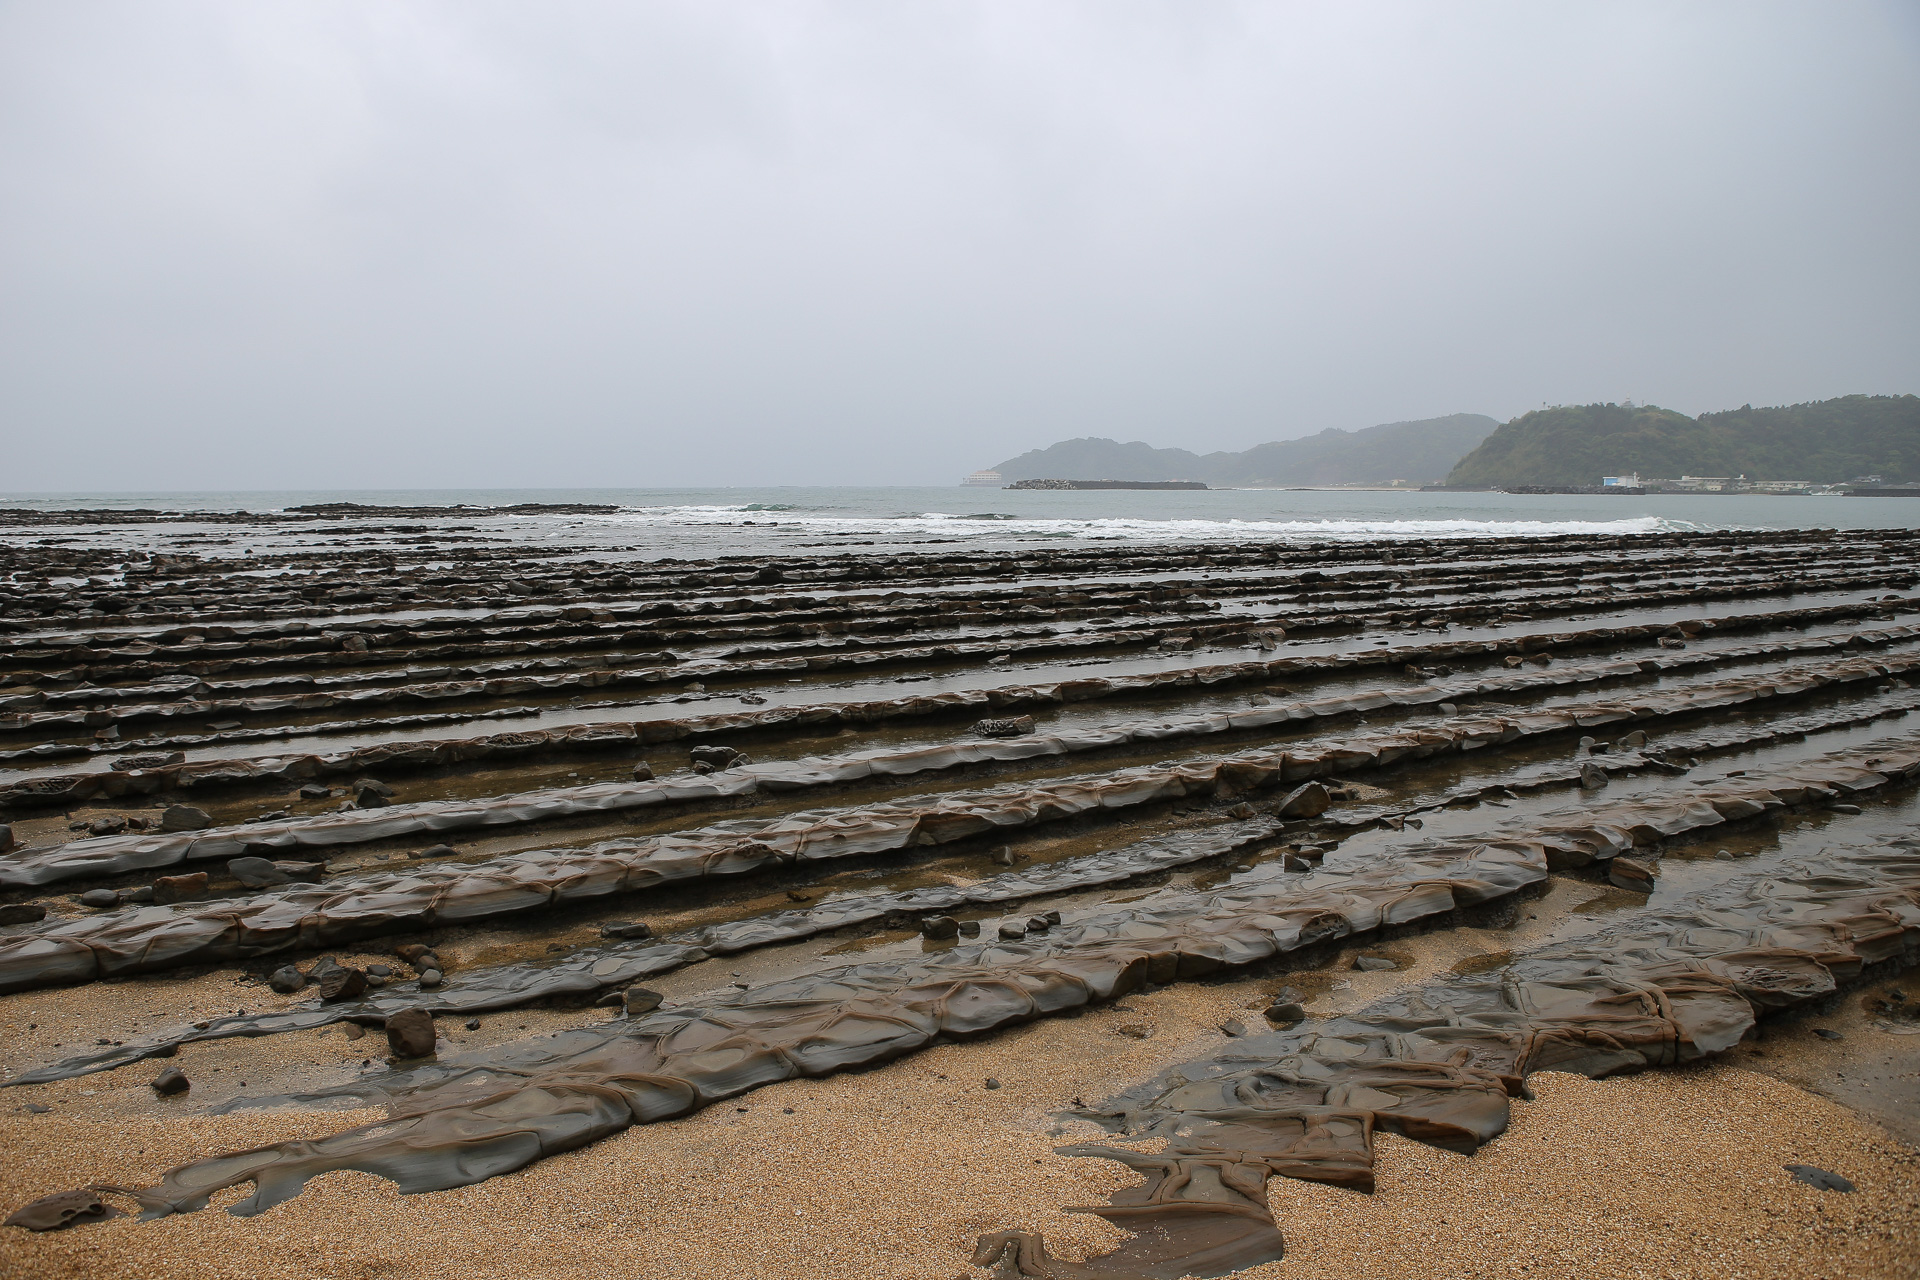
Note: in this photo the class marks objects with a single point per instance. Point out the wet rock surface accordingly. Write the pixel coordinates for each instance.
(914, 799)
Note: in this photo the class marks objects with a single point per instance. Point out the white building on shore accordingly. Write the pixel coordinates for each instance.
(984, 479)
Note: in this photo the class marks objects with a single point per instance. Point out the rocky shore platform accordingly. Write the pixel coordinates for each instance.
(401, 903)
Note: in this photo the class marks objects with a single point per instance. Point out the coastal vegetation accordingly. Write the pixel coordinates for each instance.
(1825, 441)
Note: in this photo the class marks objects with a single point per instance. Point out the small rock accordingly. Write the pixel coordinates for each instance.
(184, 817)
(431, 977)
(438, 851)
(379, 971)
(717, 757)
(1133, 1030)
(1012, 930)
(343, 982)
(411, 952)
(1592, 777)
(794, 895)
(1723, 856)
(1005, 727)
(642, 771)
(1449, 708)
(640, 1000)
(410, 1034)
(1635, 740)
(256, 873)
(1632, 873)
(969, 928)
(473, 1024)
(100, 899)
(1309, 800)
(1815, 1177)
(6, 837)
(1001, 856)
(626, 929)
(1294, 862)
(314, 791)
(24, 912)
(370, 799)
(1243, 811)
(374, 785)
(1843, 808)
(171, 1081)
(63, 1209)
(1374, 964)
(354, 1030)
(938, 927)
(287, 980)
(1038, 924)
(1826, 1033)
(111, 825)
(1233, 1027)
(1284, 1015)
(992, 1083)
(185, 888)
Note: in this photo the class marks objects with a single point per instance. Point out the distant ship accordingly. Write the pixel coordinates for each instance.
(985, 479)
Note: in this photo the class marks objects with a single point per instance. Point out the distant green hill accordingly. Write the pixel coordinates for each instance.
(1417, 451)
(1825, 441)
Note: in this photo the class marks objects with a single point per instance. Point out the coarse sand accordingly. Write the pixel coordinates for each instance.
(893, 1173)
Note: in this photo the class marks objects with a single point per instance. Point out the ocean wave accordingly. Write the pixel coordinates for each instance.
(1135, 528)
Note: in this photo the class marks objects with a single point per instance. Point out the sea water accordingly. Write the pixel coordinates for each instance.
(696, 523)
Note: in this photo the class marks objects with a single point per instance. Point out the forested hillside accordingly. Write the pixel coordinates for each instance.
(1824, 441)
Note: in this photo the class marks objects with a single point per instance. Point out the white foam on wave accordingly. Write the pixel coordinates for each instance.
(1131, 528)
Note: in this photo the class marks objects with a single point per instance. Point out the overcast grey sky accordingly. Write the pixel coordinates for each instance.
(380, 243)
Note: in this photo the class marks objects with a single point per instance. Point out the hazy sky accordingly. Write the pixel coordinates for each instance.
(378, 243)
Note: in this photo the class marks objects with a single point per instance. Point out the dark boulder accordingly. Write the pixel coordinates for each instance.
(1309, 800)
(410, 1034)
(185, 888)
(342, 983)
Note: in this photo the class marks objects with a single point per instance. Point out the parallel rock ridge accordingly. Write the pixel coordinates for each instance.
(1028, 781)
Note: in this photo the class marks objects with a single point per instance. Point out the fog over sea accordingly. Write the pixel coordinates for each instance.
(692, 523)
